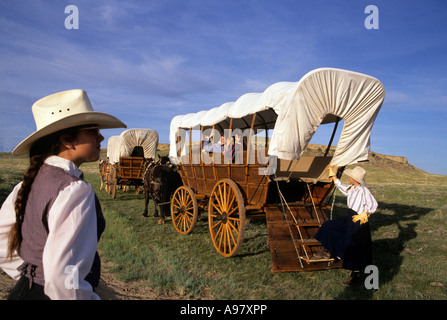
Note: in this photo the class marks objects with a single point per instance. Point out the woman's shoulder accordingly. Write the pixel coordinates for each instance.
(55, 180)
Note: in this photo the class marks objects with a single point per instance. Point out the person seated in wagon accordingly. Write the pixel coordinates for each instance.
(226, 146)
(217, 147)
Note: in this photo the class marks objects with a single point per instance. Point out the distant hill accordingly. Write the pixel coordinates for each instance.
(377, 160)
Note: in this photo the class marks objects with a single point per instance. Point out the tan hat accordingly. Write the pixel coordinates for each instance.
(358, 174)
(64, 110)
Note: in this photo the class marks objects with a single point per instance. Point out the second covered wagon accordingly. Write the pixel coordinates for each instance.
(127, 154)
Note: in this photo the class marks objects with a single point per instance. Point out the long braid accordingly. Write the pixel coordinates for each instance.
(39, 152)
(15, 236)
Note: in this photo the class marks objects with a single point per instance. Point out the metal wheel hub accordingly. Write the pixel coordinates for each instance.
(224, 217)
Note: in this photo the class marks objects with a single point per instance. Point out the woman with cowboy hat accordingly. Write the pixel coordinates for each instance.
(349, 237)
(51, 222)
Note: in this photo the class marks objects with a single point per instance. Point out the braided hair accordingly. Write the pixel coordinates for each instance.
(39, 152)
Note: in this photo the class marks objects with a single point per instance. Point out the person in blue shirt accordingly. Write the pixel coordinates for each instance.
(225, 146)
(217, 147)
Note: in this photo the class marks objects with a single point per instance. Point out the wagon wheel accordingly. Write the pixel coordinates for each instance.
(226, 217)
(113, 182)
(184, 210)
(108, 180)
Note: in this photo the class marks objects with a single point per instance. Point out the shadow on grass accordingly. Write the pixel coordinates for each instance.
(387, 252)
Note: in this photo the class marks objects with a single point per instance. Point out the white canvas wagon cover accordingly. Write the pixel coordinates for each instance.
(295, 110)
(112, 149)
(145, 138)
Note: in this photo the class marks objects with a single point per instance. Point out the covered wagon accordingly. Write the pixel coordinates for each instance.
(127, 154)
(261, 170)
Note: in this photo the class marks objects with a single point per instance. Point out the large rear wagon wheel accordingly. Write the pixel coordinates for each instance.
(226, 217)
(184, 210)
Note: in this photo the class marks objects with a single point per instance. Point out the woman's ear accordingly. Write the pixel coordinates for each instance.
(67, 142)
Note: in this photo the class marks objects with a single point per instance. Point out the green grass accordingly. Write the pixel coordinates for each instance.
(408, 231)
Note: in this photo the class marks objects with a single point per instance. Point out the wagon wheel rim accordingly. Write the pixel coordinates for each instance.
(226, 217)
(108, 182)
(113, 184)
(184, 210)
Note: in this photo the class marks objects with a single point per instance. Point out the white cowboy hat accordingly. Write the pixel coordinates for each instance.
(64, 110)
(358, 174)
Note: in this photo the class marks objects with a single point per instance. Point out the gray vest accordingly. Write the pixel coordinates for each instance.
(49, 181)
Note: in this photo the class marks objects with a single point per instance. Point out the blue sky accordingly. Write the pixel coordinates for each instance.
(148, 61)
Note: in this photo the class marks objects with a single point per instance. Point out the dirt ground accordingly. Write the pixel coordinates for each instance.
(109, 288)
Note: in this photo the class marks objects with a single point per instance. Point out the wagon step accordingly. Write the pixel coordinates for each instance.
(293, 247)
(310, 257)
(313, 259)
(307, 224)
(309, 242)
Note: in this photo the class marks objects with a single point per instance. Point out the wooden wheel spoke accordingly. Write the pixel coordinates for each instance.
(215, 225)
(187, 205)
(219, 199)
(176, 206)
(185, 222)
(217, 208)
(232, 201)
(224, 235)
(224, 199)
(232, 226)
(219, 233)
(230, 234)
(232, 211)
(228, 241)
(234, 219)
(178, 220)
(187, 216)
(223, 244)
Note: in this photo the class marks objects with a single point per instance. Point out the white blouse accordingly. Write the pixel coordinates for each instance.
(359, 198)
(72, 240)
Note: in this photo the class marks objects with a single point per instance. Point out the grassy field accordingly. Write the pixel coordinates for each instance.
(408, 231)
